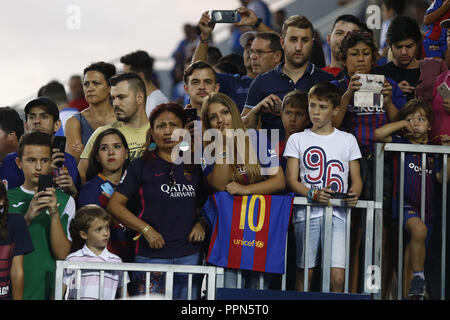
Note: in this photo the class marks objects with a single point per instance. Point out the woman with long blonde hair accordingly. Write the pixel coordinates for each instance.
(239, 171)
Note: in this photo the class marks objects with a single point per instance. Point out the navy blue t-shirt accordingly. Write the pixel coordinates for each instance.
(235, 86)
(18, 242)
(169, 203)
(277, 82)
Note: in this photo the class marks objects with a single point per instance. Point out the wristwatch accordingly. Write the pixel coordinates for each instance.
(256, 25)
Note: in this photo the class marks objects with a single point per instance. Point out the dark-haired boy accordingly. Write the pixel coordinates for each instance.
(47, 213)
(11, 129)
(319, 162)
(414, 76)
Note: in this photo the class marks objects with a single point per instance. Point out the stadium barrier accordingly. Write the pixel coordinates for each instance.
(211, 273)
(215, 275)
(369, 206)
(380, 149)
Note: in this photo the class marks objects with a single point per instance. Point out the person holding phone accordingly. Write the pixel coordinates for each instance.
(108, 160)
(47, 213)
(42, 115)
(440, 131)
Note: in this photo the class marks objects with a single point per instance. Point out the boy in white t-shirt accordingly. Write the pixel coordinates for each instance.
(91, 226)
(319, 162)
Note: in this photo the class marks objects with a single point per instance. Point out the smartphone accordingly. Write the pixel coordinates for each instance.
(340, 195)
(45, 181)
(191, 114)
(277, 107)
(443, 90)
(224, 16)
(107, 188)
(59, 142)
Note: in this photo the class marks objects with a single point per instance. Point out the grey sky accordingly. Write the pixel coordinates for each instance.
(41, 40)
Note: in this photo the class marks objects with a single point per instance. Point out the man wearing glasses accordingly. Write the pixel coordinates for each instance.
(262, 57)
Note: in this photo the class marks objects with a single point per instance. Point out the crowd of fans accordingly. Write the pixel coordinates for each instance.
(119, 195)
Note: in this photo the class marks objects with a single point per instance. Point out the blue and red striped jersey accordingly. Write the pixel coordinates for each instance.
(413, 181)
(248, 232)
(434, 30)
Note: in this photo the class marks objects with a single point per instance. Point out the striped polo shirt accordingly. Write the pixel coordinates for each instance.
(90, 279)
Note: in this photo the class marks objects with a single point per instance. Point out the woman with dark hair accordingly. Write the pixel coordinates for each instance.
(15, 242)
(172, 196)
(358, 54)
(107, 162)
(100, 111)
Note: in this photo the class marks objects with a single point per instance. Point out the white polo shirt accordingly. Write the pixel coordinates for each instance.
(90, 279)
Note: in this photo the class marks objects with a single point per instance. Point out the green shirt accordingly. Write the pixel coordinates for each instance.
(39, 265)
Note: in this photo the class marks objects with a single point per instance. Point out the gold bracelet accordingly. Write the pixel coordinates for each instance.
(144, 230)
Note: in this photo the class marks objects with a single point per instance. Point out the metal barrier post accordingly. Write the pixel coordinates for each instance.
(444, 224)
(400, 228)
(326, 252)
(378, 228)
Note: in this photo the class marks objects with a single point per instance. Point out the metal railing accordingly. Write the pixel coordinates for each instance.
(379, 168)
(212, 273)
(370, 207)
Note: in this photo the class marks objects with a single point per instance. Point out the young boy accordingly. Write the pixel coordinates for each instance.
(91, 226)
(295, 118)
(414, 120)
(47, 214)
(319, 161)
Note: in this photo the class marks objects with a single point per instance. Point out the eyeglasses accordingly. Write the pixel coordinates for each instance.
(259, 53)
(172, 181)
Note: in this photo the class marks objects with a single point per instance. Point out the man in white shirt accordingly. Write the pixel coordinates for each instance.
(142, 64)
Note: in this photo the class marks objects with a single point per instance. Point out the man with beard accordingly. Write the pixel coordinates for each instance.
(128, 99)
(414, 76)
(296, 72)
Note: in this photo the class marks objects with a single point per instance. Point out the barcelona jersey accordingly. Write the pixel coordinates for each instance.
(249, 232)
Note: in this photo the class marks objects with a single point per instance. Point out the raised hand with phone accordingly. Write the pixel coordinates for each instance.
(63, 179)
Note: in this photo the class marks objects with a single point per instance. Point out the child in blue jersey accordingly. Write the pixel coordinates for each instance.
(107, 162)
(15, 242)
(414, 121)
(435, 39)
(319, 162)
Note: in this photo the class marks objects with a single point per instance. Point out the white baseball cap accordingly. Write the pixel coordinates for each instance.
(243, 39)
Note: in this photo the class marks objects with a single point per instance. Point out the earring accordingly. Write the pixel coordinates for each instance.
(152, 146)
(184, 146)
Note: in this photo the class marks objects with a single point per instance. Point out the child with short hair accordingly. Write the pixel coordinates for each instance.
(295, 118)
(414, 122)
(91, 226)
(47, 214)
(319, 162)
